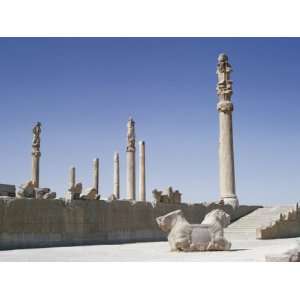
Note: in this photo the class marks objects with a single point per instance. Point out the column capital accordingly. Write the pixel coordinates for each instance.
(225, 106)
(36, 154)
(224, 85)
(130, 136)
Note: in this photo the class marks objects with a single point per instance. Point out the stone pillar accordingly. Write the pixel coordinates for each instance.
(130, 157)
(96, 174)
(226, 155)
(142, 173)
(117, 175)
(70, 194)
(72, 178)
(36, 154)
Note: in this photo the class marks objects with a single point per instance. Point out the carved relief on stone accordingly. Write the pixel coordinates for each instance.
(36, 141)
(130, 135)
(224, 86)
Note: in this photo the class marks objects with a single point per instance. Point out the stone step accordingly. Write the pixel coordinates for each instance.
(245, 227)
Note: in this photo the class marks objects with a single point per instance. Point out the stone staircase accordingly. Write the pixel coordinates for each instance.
(245, 227)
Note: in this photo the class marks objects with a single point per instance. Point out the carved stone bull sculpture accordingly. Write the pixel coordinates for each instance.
(207, 236)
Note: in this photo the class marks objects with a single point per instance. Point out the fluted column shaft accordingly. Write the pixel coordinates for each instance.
(36, 169)
(142, 173)
(130, 155)
(117, 175)
(96, 174)
(36, 154)
(72, 178)
(130, 160)
(226, 154)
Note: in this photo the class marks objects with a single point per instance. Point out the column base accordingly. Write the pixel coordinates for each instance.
(231, 200)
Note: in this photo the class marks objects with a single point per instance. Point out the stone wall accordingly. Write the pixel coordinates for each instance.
(287, 226)
(7, 190)
(28, 223)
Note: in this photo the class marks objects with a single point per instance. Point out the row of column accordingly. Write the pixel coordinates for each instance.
(131, 178)
(130, 153)
(226, 153)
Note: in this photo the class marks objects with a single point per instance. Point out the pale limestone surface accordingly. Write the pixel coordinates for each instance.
(290, 254)
(241, 250)
(226, 153)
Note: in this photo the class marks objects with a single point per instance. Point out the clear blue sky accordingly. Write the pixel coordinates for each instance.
(84, 89)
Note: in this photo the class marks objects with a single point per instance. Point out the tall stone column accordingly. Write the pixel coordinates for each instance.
(226, 154)
(72, 178)
(96, 174)
(142, 173)
(117, 175)
(130, 157)
(36, 154)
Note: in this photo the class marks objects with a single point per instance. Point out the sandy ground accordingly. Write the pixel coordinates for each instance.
(242, 250)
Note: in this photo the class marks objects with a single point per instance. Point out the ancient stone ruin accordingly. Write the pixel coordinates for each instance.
(28, 190)
(167, 196)
(34, 216)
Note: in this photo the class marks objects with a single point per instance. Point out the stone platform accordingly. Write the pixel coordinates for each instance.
(245, 246)
(32, 223)
(242, 250)
(246, 227)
